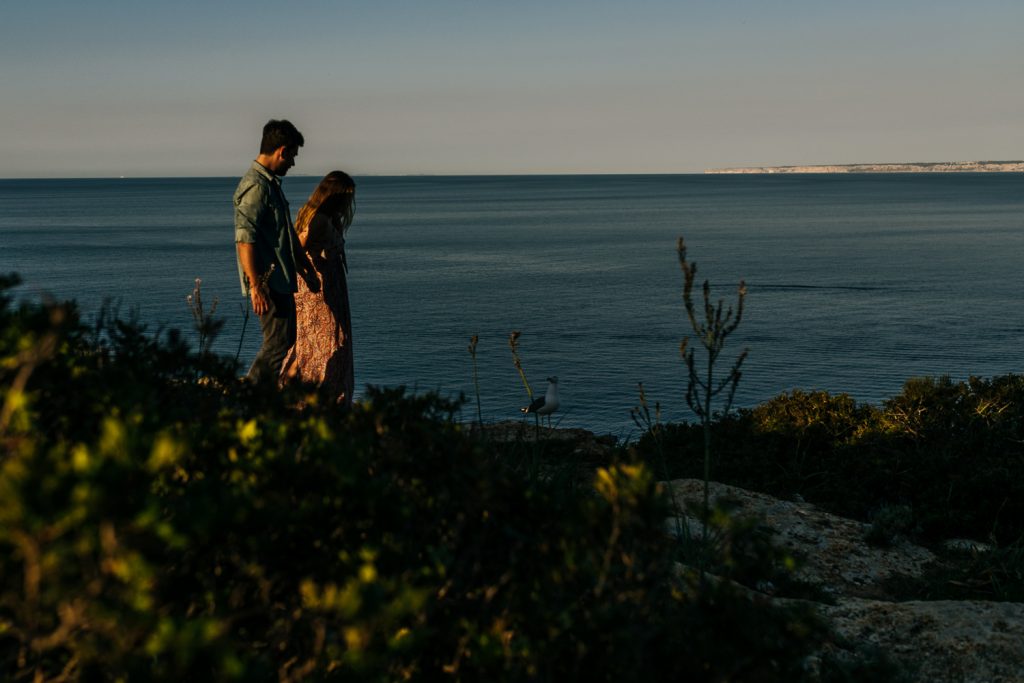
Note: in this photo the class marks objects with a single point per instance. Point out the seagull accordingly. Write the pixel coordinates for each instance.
(548, 403)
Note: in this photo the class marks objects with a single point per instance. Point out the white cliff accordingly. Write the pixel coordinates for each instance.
(941, 167)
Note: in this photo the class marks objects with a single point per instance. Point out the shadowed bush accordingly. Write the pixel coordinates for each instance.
(951, 452)
(161, 520)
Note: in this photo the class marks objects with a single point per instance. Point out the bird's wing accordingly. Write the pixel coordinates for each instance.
(537, 404)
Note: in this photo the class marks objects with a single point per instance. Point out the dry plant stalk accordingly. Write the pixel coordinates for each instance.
(473, 341)
(643, 419)
(206, 325)
(711, 330)
(513, 343)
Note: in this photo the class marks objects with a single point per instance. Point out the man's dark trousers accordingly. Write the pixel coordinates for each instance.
(278, 327)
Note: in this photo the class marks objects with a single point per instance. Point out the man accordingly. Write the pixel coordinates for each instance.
(267, 248)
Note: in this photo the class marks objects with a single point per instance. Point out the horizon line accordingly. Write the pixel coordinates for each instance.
(367, 175)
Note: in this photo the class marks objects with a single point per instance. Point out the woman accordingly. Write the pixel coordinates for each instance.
(323, 348)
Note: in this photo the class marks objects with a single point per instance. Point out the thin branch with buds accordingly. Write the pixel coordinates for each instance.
(711, 332)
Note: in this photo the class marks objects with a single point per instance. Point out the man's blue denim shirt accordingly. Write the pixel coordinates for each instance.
(262, 218)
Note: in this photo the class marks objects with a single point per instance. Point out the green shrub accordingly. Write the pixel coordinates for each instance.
(815, 422)
(962, 448)
(160, 520)
(952, 452)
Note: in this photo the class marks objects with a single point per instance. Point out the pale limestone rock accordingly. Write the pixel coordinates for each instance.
(526, 431)
(966, 545)
(941, 641)
(941, 167)
(937, 642)
(831, 550)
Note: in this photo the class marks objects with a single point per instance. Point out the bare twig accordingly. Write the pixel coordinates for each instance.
(473, 341)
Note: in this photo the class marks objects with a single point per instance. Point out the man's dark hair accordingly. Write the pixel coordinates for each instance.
(280, 134)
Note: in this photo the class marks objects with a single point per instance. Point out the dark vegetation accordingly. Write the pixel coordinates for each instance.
(949, 454)
(161, 520)
(942, 460)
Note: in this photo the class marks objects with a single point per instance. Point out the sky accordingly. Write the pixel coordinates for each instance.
(135, 88)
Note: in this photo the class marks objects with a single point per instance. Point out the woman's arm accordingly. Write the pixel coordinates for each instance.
(317, 235)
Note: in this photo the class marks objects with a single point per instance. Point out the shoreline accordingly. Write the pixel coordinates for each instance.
(912, 167)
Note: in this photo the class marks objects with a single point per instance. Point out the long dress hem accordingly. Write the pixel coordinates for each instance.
(323, 348)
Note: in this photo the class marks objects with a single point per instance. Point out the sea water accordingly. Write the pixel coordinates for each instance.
(856, 282)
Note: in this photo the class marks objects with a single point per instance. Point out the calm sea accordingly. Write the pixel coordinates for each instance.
(856, 282)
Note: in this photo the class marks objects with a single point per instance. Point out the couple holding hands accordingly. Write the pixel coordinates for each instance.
(296, 276)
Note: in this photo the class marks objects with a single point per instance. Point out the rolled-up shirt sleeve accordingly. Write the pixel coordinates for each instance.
(249, 204)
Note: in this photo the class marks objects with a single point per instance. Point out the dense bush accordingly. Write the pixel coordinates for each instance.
(951, 452)
(160, 520)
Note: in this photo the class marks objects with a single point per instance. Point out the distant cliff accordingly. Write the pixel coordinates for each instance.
(941, 167)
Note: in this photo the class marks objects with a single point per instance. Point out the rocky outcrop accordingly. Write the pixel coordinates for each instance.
(939, 641)
(941, 167)
(831, 550)
(935, 642)
(584, 443)
(942, 641)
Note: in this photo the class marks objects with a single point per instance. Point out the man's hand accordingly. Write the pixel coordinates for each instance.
(260, 299)
(258, 291)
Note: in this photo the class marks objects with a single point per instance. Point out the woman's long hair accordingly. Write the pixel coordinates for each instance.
(336, 193)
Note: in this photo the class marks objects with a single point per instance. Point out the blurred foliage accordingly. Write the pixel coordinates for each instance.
(950, 453)
(162, 520)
